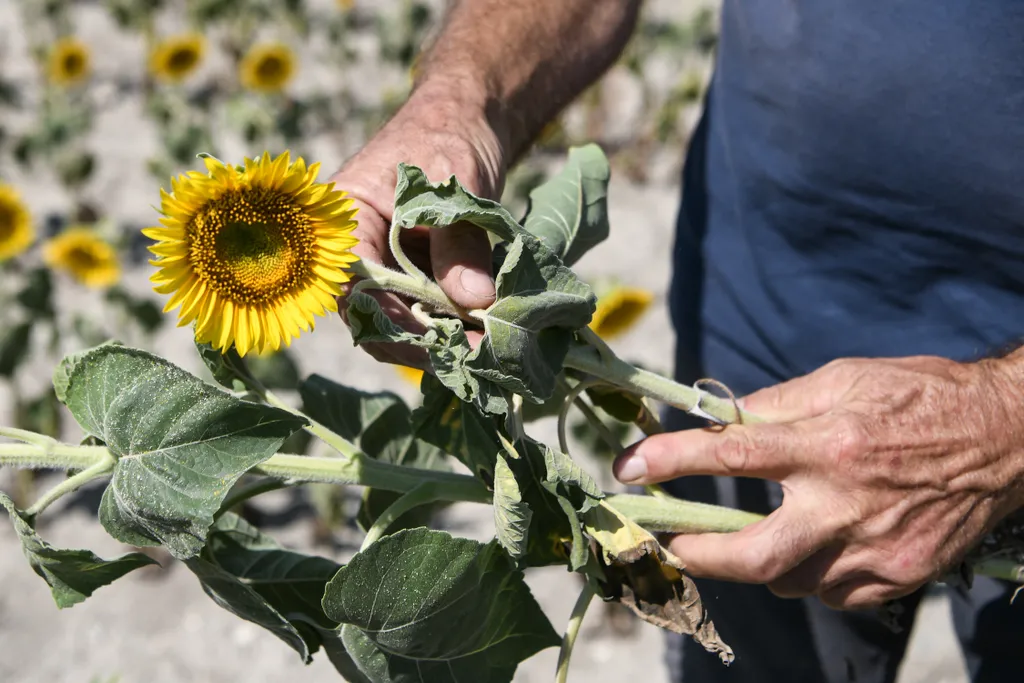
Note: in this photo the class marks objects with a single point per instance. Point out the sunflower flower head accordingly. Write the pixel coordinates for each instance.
(16, 232)
(618, 310)
(176, 58)
(253, 253)
(84, 255)
(268, 67)
(69, 62)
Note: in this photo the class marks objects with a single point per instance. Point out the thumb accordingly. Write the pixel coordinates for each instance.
(461, 258)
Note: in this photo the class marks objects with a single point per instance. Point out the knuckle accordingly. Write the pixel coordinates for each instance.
(733, 453)
(760, 566)
(851, 440)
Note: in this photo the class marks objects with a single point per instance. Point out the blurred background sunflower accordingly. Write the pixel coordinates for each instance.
(16, 232)
(175, 58)
(81, 253)
(619, 309)
(69, 62)
(268, 67)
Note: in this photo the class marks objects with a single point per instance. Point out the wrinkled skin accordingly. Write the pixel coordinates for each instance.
(436, 132)
(891, 470)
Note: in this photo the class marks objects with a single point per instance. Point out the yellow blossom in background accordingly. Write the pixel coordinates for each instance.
(411, 375)
(268, 67)
(618, 310)
(174, 59)
(346, 5)
(252, 254)
(69, 62)
(85, 256)
(16, 232)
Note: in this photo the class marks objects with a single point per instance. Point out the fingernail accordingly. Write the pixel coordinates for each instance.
(477, 283)
(630, 469)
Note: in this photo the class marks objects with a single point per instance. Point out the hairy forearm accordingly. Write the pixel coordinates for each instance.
(521, 61)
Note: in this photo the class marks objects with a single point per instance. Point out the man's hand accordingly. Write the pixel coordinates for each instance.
(891, 471)
(438, 131)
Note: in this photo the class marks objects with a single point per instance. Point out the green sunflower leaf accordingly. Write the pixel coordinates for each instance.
(457, 428)
(250, 575)
(73, 575)
(529, 328)
(418, 202)
(569, 212)
(180, 443)
(446, 610)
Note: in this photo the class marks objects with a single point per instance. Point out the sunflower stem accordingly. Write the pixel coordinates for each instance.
(332, 439)
(99, 469)
(609, 367)
(423, 290)
(51, 456)
(395, 242)
(424, 494)
(572, 630)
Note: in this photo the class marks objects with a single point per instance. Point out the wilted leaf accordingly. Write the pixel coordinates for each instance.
(228, 369)
(180, 443)
(511, 514)
(649, 580)
(569, 212)
(577, 485)
(72, 575)
(445, 610)
(247, 573)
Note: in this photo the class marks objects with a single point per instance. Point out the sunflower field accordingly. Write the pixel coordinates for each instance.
(172, 259)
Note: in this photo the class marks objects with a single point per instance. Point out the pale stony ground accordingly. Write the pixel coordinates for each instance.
(156, 626)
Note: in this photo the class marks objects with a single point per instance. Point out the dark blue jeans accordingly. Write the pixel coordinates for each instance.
(802, 641)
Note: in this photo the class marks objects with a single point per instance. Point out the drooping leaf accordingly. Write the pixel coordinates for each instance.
(564, 472)
(14, 348)
(247, 573)
(380, 424)
(73, 575)
(180, 443)
(450, 353)
(649, 580)
(529, 328)
(511, 514)
(369, 324)
(418, 202)
(445, 609)
(569, 212)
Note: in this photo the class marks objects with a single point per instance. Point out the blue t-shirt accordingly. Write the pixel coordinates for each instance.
(855, 188)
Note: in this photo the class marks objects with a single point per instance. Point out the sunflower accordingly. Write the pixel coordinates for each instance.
(618, 310)
(69, 62)
(267, 67)
(84, 255)
(16, 233)
(174, 59)
(252, 253)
